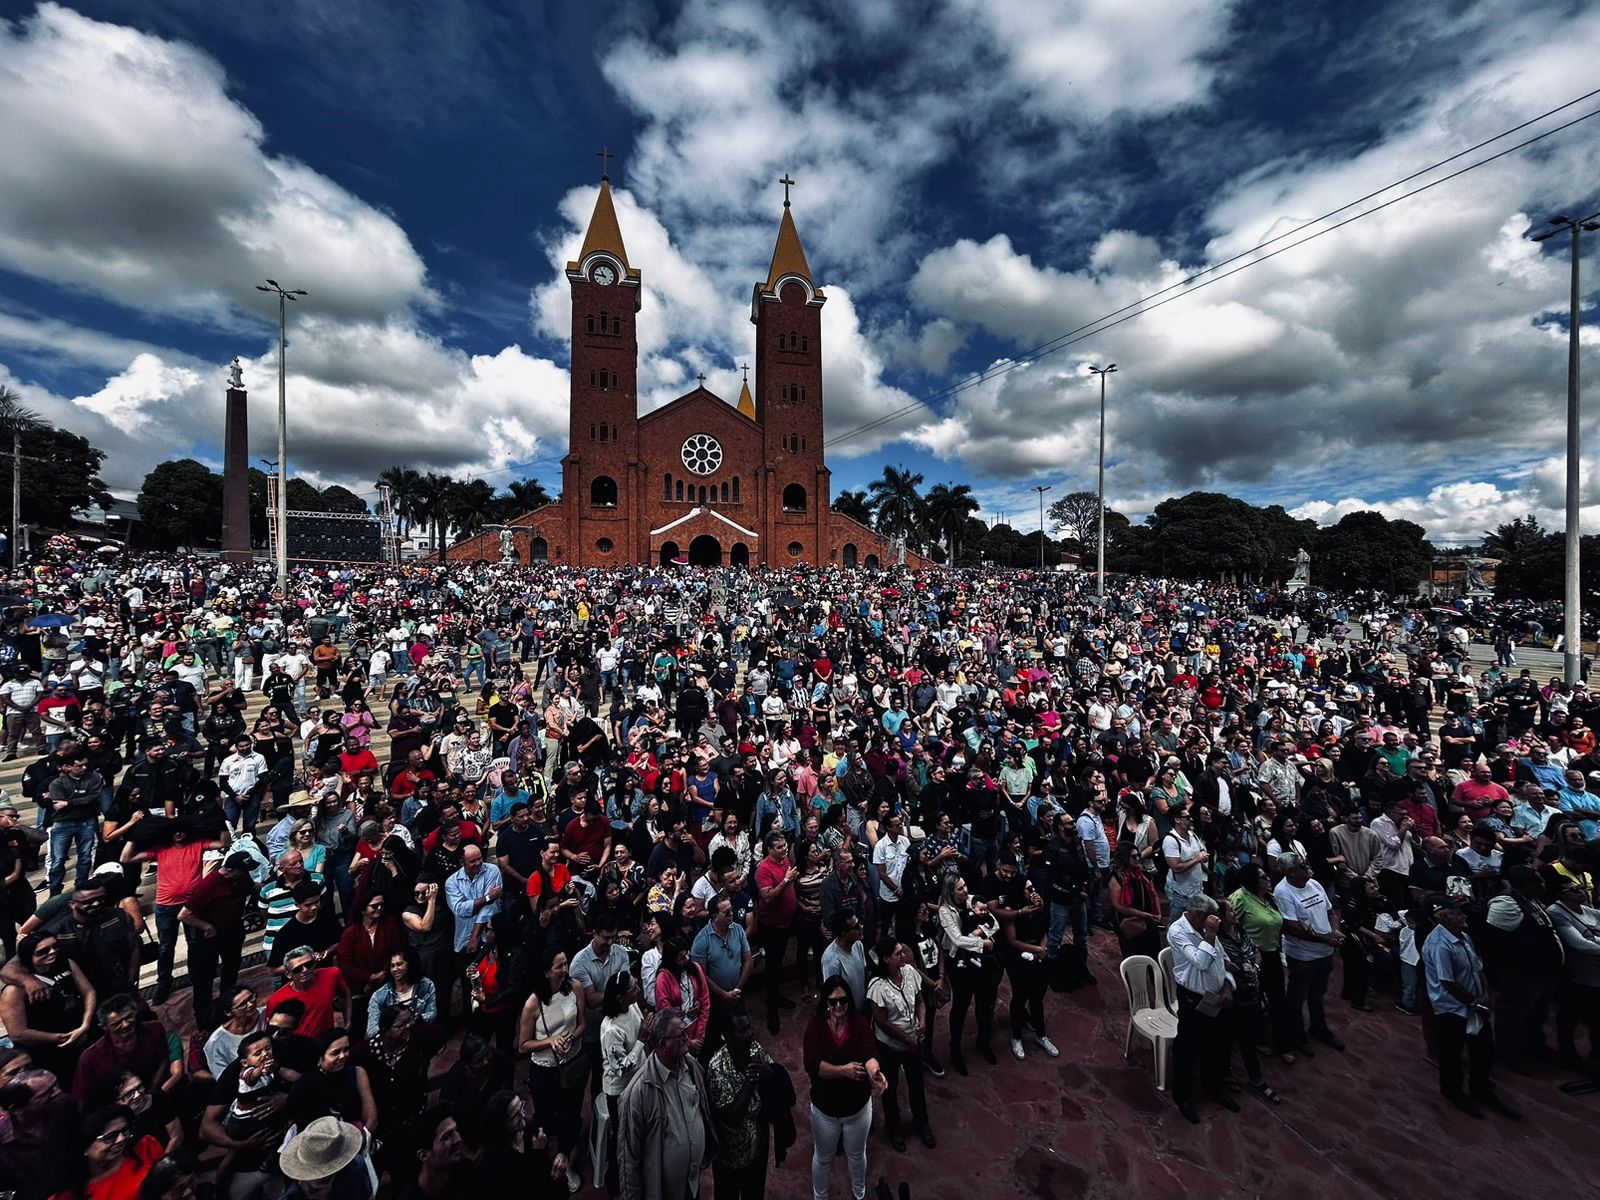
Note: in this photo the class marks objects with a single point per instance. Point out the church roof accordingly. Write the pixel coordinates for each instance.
(788, 256)
(747, 404)
(604, 233)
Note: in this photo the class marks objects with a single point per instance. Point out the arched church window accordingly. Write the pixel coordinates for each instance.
(666, 487)
(603, 492)
(590, 322)
(605, 431)
(678, 487)
(794, 498)
(616, 326)
(736, 489)
(724, 493)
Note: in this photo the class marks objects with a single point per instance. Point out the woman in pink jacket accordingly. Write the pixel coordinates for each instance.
(681, 984)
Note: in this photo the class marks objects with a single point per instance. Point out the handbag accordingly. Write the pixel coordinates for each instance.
(574, 1073)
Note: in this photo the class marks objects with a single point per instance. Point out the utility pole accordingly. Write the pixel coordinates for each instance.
(283, 294)
(1100, 517)
(1572, 599)
(1041, 489)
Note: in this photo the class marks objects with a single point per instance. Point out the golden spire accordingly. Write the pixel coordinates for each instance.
(604, 232)
(747, 403)
(788, 256)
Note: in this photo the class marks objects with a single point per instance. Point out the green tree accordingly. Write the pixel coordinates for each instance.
(301, 496)
(1366, 550)
(470, 505)
(948, 508)
(897, 505)
(432, 496)
(854, 505)
(403, 483)
(1077, 516)
(180, 504)
(60, 475)
(1207, 535)
(1536, 569)
(339, 499)
(529, 494)
(1514, 536)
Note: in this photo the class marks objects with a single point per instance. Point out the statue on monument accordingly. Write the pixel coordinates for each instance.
(235, 375)
(1476, 584)
(1301, 579)
(508, 546)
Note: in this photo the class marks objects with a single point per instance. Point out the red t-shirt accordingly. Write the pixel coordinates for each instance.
(318, 999)
(177, 871)
(779, 911)
(587, 839)
(123, 1183)
(361, 761)
(559, 878)
(1478, 799)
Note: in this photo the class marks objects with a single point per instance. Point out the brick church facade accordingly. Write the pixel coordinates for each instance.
(698, 480)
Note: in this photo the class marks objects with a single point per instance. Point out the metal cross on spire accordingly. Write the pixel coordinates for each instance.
(605, 156)
(702, 380)
(787, 184)
(746, 369)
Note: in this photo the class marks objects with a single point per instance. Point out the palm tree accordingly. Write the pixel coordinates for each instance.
(402, 482)
(16, 420)
(898, 505)
(430, 506)
(470, 505)
(529, 494)
(948, 507)
(854, 505)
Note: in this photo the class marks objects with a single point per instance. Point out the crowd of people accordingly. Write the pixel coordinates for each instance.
(536, 853)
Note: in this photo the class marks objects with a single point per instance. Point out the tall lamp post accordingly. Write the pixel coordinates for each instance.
(1572, 599)
(283, 294)
(1041, 489)
(1100, 547)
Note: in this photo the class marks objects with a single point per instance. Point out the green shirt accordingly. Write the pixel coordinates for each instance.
(1260, 919)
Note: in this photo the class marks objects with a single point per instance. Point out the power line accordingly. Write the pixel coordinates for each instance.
(1144, 304)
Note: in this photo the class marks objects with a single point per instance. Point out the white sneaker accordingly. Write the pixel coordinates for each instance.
(574, 1183)
(1016, 1048)
(1049, 1047)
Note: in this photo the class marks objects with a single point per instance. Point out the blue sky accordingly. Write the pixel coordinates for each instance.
(976, 177)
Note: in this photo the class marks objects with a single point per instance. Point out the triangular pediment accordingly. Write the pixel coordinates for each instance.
(698, 400)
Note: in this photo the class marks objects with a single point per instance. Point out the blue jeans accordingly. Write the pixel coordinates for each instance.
(473, 667)
(1060, 915)
(167, 934)
(250, 809)
(63, 834)
(1410, 974)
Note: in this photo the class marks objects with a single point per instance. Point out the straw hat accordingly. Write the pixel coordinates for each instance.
(322, 1148)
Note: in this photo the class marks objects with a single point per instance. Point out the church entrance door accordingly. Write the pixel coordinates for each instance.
(705, 551)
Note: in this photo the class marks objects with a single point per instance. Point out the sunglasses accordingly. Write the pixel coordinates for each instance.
(838, 1001)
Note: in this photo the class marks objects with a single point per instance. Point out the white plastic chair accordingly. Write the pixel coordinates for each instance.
(598, 1128)
(1170, 972)
(1148, 1012)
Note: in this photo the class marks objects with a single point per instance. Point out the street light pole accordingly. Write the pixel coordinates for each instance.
(283, 294)
(1572, 599)
(1100, 548)
(1041, 489)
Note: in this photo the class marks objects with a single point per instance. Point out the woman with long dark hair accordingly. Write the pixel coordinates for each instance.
(511, 1161)
(550, 1033)
(111, 1162)
(841, 1057)
(1132, 898)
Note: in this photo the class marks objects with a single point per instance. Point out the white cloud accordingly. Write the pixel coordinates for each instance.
(131, 174)
(1098, 59)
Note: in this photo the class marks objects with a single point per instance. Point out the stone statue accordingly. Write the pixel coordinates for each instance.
(1301, 579)
(508, 546)
(236, 375)
(1477, 585)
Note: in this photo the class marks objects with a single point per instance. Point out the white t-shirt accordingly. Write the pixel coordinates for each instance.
(24, 693)
(1309, 906)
